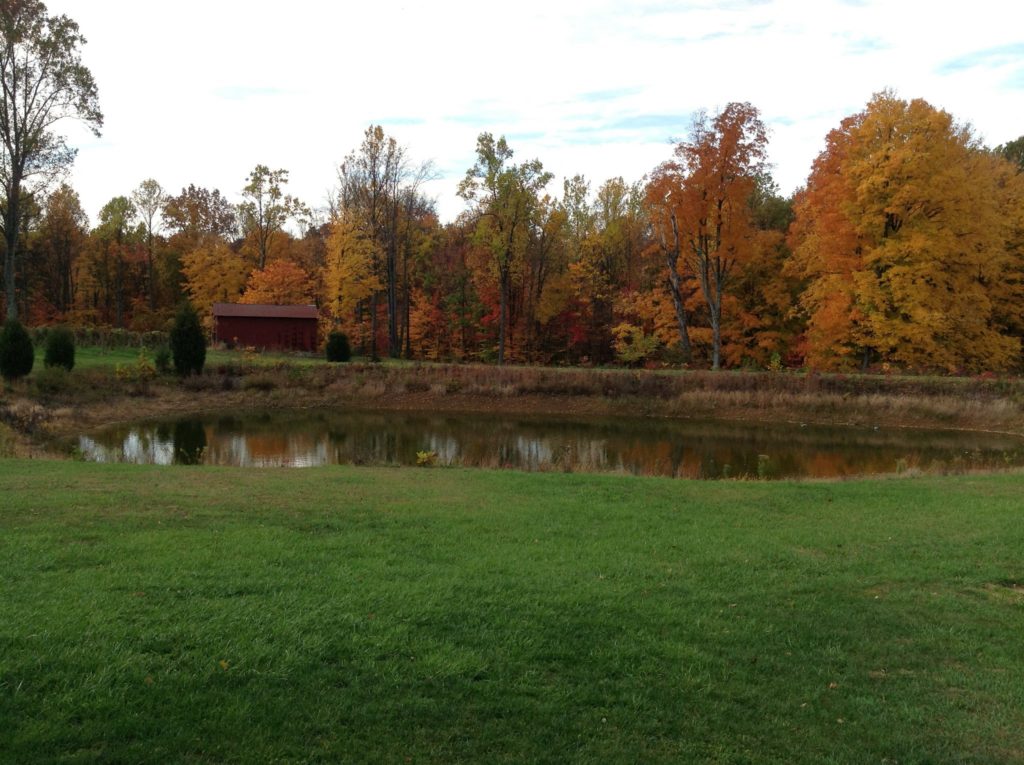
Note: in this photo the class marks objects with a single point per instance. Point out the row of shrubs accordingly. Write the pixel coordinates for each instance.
(184, 346)
(17, 352)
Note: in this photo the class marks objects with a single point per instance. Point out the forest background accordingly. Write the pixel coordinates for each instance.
(904, 249)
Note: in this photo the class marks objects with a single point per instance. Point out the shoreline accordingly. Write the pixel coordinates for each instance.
(96, 398)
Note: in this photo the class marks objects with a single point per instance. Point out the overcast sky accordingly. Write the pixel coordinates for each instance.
(200, 91)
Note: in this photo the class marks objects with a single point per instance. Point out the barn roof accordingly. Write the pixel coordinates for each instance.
(257, 311)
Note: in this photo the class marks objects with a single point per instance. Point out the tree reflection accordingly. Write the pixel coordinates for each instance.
(189, 442)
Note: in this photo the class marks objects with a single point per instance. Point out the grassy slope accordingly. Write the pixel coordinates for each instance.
(218, 615)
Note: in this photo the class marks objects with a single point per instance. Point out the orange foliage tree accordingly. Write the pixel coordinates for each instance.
(904, 236)
(282, 282)
(720, 165)
(664, 196)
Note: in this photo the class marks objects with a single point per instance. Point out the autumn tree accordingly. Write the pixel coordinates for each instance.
(282, 282)
(197, 213)
(214, 273)
(115, 243)
(904, 234)
(59, 242)
(379, 191)
(603, 265)
(720, 163)
(503, 197)
(266, 209)
(664, 197)
(544, 285)
(44, 82)
(447, 310)
(350, 278)
(149, 200)
(759, 323)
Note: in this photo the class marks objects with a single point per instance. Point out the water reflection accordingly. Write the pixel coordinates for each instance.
(640, 446)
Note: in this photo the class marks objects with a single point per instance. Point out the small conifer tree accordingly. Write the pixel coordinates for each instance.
(188, 342)
(60, 349)
(338, 348)
(16, 352)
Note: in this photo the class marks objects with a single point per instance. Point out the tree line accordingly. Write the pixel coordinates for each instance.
(904, 249)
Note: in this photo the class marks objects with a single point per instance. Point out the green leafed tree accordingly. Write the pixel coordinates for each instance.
(504, 197)
(43, 83)
(1013, 151)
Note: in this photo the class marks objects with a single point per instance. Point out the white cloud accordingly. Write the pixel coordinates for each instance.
(200, 92)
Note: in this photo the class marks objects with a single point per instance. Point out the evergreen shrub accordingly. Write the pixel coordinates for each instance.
(60, 349)
(188, 342)
(338, 348)
(16, 352)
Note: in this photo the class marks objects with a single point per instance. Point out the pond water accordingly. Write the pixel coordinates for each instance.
(682, 448)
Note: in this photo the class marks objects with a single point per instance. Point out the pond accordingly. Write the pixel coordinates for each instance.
(641, 446)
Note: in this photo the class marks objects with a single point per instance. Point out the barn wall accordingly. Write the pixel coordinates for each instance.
(257, 332)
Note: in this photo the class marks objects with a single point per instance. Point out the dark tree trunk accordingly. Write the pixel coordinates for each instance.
(152, 277)
(406, 310)
(119, 291)
(675, 288)
(373, 328)
(394, 346)
(716, 338)
(11, 236)
(502, 315)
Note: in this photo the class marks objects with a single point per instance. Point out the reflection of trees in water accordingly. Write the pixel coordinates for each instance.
(644, 447)
(189, 442)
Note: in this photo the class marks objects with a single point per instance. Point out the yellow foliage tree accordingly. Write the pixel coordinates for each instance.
(349, 275)
(903, 234)
(213, 274)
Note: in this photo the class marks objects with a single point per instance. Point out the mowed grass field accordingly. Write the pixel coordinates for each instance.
(92, 357)
(203, 615)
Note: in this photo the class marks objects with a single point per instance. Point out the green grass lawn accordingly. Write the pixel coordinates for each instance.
(92, 357)
(401, 615)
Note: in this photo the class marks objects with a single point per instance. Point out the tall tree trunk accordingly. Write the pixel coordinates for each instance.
(463, 324)
(675, 287)
(502, 316)
(713, 298)
(373, 327)
(11, 236)
(262, 247)
(152, 278)
(674, 283)
(12, 305)
(394, 347)
(716, 338)
(407, 334)
(119, 288)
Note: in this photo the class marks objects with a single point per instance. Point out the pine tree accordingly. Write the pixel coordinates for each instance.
(188, 343)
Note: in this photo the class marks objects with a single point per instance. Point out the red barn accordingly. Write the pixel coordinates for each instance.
(283, 327)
